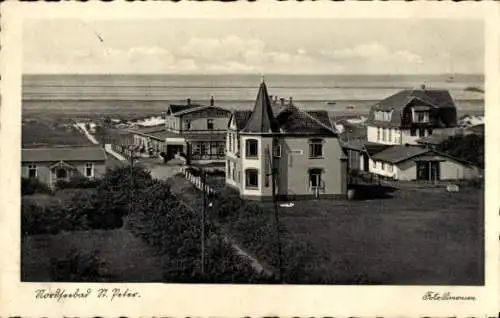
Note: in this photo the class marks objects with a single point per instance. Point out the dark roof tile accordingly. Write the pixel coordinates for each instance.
(262, 119)
(63, 154)
(241, 118)
(398, 153)
(439, 101)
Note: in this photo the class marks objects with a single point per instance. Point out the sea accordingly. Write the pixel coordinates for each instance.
(148, 94)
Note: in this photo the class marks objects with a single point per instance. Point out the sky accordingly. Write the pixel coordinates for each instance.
(253, 46)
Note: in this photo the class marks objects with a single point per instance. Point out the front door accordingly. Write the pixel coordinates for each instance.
(428, 171)
(435, 171)
(422, 170)
(366, 163)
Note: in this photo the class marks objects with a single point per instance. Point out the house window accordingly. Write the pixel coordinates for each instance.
(252, 148)
(389, 167)
(315, 177)
(413, 132)
(221, 150)
(429, 131)
(383, 165)
(421, 132)
(230, 141)
(210, 124)
(251, 178)
(316, 148)
(378, 134)
(187, 124)
(277, 151)
(196, 149)
(390, 134)
(233, 175)
(32, 171)
(375, 165)
(229, 168)
(384, 134)
(203, 149)
(89, 170)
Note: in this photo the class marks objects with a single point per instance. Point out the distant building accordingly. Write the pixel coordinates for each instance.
(420, 163)
(49, 165)
(193, 131)
(197, 131)
(301, 147)
(409, 115)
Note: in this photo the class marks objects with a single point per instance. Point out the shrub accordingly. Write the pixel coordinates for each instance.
(77, 182)
(175, 231)
(31, 186)
(78, 266)
(52, 218)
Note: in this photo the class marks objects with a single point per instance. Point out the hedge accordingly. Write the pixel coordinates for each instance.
(175, 231)
(30, 186)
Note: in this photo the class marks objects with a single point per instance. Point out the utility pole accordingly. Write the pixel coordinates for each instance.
(274, 171)
(203, 210)
(131, 179)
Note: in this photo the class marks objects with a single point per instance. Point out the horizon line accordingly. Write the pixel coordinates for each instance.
(258, 74)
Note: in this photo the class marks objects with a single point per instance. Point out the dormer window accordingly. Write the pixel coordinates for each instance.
(420, 114)
(383, 115)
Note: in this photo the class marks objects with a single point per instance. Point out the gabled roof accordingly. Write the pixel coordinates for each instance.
(439, 101)
(240, 118)
(63, 154)
(179, 110)
(175, 108)
(296, 121)
(262, 119)
(431, 97)
(399, 153)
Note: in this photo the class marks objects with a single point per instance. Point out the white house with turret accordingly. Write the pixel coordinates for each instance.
(298, 149)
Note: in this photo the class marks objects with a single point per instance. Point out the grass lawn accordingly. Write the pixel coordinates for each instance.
(419, 236)
(46, 133)
(416, 237)
(126, 258)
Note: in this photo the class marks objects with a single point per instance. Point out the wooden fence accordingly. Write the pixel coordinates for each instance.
(197, 182)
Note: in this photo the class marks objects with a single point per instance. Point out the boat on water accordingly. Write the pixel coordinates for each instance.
(450, 79)
(330, 102)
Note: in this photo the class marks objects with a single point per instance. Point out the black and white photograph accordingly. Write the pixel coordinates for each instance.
(246, 151)
(252, 151)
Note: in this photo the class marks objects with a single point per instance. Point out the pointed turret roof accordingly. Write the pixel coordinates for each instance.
(262, 119)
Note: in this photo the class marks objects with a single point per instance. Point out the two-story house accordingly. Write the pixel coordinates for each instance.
(196, 131)
(395, 128)
(297, 149)
(409, 115)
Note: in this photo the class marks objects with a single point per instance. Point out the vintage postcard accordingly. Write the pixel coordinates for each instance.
(250, 159)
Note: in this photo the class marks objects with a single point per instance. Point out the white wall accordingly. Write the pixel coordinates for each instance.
(251, 163)
(383, 169)
(393, 135)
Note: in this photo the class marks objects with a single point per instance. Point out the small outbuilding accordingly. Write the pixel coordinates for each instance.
(408, 162)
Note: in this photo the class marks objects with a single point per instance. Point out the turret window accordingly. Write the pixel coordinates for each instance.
(251, 178)
(251, 148)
